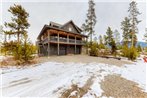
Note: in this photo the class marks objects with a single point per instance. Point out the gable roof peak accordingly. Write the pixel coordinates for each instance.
(71, 21)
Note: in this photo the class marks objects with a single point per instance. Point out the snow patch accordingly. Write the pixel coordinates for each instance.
(51, 78)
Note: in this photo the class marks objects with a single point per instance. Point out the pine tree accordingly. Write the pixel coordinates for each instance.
(90, 22)
(100, 40)
(105, 40)
(27, 49)
(17, 26)
(133, 13)
(125, 26)
(116, 36)
(109, 35)
(101, 44)
(110, 40)
(19, 22)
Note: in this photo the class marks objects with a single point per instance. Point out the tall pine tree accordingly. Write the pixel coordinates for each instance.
(18, 27)
(126, 26)
(90, 22)
(133, 15)
(116, 35)
(110, 40)
(19, 22)
(109, 35)
(100, 40)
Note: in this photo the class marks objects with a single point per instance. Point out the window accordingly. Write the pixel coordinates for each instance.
(70, 29)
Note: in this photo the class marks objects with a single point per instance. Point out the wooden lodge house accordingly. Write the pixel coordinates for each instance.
(56, 39)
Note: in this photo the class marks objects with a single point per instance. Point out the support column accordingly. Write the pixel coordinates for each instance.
(67, 38)
(67, 48)
(75, 45)
(87, 52)
(38, 50)
(48, 43)
(58, 47)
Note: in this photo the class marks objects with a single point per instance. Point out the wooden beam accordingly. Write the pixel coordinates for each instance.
(58, 45)
(48, 43)
(68, 38)
(75, 45)
(38, 50)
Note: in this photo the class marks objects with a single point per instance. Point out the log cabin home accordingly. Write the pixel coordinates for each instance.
(57, 39)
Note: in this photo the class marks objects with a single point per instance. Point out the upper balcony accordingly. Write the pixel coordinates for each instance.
(63, 40)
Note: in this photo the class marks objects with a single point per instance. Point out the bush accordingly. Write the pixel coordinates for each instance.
(93, 49)
(131, 53)
(101, 46)
(125, 51)
(139, 49)
(113, 47)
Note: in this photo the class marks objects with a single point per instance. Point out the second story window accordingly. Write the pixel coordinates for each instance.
(70, 29)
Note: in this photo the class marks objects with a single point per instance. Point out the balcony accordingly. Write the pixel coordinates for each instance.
(63, 40)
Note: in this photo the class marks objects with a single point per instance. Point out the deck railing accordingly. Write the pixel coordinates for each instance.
(71, 40)
(55, 39)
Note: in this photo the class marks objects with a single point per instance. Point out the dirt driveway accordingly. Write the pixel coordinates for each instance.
(84, 59)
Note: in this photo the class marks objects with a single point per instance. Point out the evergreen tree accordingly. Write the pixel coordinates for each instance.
(101, 44)
(90, 22)
(116, 35)
(109, 34)
(17, 26)
(105, 40)
(125, 26)
(110, 40)
(133, 13)
(100, 40)
(27, 49)
(19, 22)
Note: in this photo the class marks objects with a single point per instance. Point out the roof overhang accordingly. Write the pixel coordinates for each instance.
(46, 27)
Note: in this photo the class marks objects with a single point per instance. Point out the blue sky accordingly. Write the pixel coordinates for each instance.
(109, 13)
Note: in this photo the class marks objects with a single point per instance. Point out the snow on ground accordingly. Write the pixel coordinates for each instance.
(50, 79)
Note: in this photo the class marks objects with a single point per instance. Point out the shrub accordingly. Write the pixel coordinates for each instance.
(125, 51)
(93, 49)
(131, 53)
(101, 46)
(113, 47)
(139, 49)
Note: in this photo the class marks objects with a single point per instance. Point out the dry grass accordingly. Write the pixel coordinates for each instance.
(118, 87)
(10, 61)
(67, 58)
